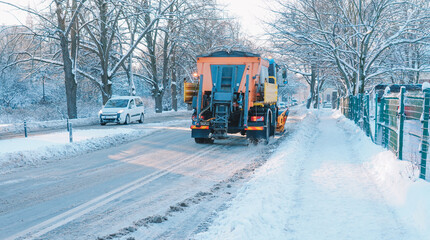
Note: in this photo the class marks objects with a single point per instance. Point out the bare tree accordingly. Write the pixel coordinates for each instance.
(65, 25)
(352, 35)
(102, 29)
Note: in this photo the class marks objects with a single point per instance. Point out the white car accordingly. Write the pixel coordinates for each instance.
(122, 110)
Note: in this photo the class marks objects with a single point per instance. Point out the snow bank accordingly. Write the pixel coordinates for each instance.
(397, 180)
(263, 206)
(37, 126)
(259, 210)
(62, 124)
(426, 85)
(399, 183)
(34, 150)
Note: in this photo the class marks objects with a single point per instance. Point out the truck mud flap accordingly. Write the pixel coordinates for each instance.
(200, 133)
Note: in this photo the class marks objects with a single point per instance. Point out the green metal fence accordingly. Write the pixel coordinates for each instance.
(398, 121)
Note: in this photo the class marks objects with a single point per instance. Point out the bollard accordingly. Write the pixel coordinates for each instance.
(25, 129)
(67, 125)
(70, 133)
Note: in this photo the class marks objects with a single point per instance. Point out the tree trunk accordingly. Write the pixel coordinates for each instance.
(107, 89)
(174, 89)
(71, 90)
(312, 86)
(69, 76)
(107, 85)
(158, 103)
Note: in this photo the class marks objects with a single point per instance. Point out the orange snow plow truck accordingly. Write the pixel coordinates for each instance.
(235, 92)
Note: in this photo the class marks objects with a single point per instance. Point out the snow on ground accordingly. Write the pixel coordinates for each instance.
(19, 152)
(328, 181)
(18, 127)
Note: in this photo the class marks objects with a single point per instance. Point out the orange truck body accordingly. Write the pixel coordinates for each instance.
(252, 68)
(234, 92)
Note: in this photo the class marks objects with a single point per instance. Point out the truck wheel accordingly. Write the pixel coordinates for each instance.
(199, 140)
(267, 129)
(102, 123)
(253, 141)
(141, 118)
(267, 135)
(209, 140)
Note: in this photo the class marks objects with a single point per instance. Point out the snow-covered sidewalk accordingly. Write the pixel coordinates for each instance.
(328, 181)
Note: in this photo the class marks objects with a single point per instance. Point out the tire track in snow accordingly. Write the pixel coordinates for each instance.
(74, 213)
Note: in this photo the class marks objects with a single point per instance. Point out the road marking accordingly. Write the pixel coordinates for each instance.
(74, 213)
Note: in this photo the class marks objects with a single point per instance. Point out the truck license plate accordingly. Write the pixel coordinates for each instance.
(204, 123)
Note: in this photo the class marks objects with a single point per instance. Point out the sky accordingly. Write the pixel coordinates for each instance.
(248, 12)
(13, 16)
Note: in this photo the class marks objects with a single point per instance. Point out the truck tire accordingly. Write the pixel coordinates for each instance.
(268, 128)
(199, 140)
(267, 135)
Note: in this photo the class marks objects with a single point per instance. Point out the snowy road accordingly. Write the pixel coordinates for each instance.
(126, 188)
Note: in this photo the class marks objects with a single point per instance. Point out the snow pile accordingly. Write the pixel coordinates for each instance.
(37, 126)
(18, 152)
(62, 124)
(426, 85)
(361, 191)
(397, 180)
(399, 183)
(259, 210)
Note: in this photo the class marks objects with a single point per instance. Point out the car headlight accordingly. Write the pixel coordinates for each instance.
(100, 112)
(120, 111)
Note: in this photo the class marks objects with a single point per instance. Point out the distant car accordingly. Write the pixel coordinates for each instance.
(327, 105)
(282, 105)
(124, 109)
(294, 102)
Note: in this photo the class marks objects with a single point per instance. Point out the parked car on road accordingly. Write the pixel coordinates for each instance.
(294, 102)
(124, 109)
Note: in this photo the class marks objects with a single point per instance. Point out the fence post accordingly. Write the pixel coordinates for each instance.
(382, 121)
(424, 140)
(350, 107)
(25, 129)
(358, 105)
(376, 117)
(355, 108)
(366, 114)
(401, 123)
(70, 133)
(67, 125)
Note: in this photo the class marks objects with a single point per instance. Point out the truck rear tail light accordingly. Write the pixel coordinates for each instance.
(257, 119)
(194, 118)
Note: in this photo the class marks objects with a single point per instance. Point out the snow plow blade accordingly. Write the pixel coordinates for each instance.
(282, 118)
